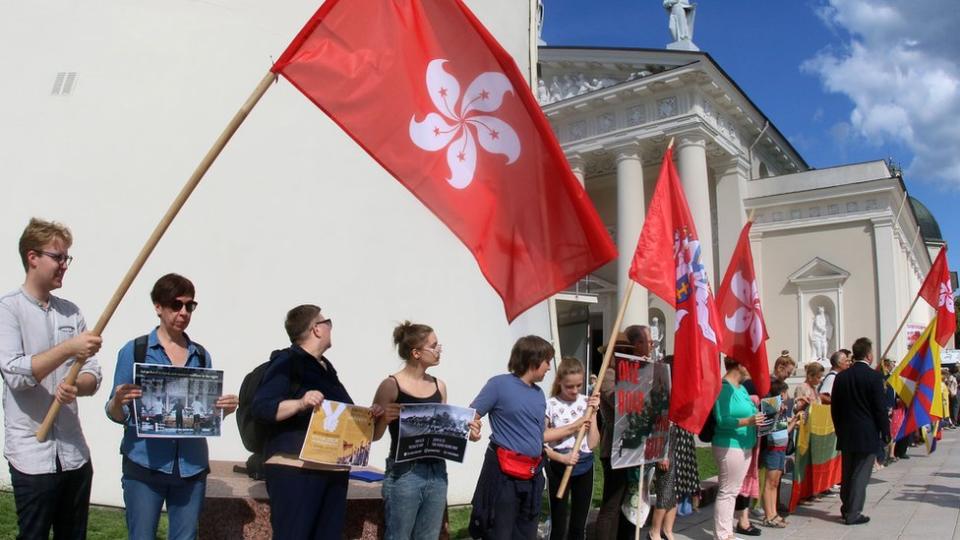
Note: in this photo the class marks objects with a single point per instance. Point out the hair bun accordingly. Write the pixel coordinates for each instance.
(400, 332)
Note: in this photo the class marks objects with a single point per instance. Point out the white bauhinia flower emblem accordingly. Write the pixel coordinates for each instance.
(946, 296)
(686, 255)
(457, 124)
(746, 318)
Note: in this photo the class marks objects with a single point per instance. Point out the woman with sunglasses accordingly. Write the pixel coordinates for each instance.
(162, 470)
(414, 492)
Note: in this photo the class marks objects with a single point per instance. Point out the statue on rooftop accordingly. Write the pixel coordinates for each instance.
(682, 15)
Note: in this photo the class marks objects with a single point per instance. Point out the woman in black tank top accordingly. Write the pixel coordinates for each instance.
(414, 492)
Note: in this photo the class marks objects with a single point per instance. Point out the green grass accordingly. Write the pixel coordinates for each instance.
(104, 523)
(459, 516)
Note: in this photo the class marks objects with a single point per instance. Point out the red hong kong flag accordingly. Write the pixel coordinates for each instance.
(744, 331)
(425, 89)
(667, 262)
(938, 292)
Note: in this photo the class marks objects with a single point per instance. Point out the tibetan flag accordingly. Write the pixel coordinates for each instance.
(917, 381)
(938, 292)
(425, 89)
(667, 262)
(738, 301)
(816, 465)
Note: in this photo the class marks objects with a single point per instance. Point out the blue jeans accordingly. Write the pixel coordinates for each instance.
(145, 500)
(414, 497)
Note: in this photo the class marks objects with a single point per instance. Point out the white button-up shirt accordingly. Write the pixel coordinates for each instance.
(28, 328)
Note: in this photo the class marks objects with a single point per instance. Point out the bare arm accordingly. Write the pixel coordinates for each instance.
(291, 407)
(82, 346)
(386, 397)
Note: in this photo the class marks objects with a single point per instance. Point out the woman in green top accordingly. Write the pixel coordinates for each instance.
(733, 442)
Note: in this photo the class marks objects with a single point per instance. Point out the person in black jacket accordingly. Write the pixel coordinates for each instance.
(305, 502)
(859, 414)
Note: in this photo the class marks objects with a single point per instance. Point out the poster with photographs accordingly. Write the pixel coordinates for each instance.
(642, 426)
(912, 332)
(433, 430)
(338, 434)
(777, 412)
(177, 402)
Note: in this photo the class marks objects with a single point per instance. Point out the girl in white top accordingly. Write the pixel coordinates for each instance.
(568, 406)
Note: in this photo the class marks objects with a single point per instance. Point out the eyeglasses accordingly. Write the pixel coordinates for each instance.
(177, 305)
(433, 350)
(328, 322)
(62, 259)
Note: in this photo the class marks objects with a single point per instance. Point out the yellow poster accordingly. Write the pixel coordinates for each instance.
(339, 434)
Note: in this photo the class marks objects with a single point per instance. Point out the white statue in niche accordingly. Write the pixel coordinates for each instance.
(820, 333)
(656, 336)
(682, 15)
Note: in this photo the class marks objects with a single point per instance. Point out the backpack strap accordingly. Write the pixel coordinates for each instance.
(204, 357)
(140, 350)
(296, 376)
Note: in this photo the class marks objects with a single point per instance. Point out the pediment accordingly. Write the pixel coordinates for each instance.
(819, 270)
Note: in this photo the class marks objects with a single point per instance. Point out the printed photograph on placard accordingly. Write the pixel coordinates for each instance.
(433, 430)
(339, 434)
(177, 402)
(642, 402)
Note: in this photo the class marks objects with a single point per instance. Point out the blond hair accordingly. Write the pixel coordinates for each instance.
(40, 233)
(568, 366)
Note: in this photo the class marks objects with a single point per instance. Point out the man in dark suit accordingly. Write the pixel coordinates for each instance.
(859, 414)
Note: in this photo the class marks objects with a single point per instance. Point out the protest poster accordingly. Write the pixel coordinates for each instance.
(777, 412)
(642, 426)
(433, 430)
(912, 332)
(338, 434)
(177, 402)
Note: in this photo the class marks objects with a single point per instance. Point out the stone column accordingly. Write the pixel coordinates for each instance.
(631, 211)
(731, 189)
(692, 166)
(887, 315)
(578, 166)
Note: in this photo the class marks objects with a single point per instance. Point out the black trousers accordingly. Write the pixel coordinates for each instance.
(505, 508)
(306, 504)
(611, 523)
(579, 492)
(60, 500)
(856, 469)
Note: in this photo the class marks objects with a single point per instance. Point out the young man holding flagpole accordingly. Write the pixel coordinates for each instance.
(41, 336)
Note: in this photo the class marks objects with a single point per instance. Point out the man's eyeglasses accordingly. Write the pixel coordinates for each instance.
(177, 305)
(325, 321)
(62, 259)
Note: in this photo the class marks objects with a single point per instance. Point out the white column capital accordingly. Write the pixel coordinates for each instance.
(629, 150)
(686, 140)
(735, 166)
(578, 165)
(882, 221)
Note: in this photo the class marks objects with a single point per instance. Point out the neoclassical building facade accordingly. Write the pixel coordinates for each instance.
(842, 242)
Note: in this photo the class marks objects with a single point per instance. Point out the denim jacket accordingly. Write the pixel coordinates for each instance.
(158, 454)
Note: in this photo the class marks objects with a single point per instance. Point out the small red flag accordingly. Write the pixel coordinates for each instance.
(938, 292)
(425, 89)
(744, 330)
(667, 262)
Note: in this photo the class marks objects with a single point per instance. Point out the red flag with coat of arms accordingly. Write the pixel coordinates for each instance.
(667, 262)
(744, 330)
(938, 292)
(425, 89)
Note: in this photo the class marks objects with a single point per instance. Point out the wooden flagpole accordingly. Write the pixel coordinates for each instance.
(638, 523)
(154, 239)
(607, 355)
(897, 333)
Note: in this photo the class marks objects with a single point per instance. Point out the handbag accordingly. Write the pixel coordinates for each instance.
(517, 465)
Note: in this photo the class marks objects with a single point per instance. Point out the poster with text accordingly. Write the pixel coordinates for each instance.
(642, 398)
(338, 434)
(433, 430)
(177, 402)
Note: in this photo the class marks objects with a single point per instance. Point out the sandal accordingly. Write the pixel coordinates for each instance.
(776, 523)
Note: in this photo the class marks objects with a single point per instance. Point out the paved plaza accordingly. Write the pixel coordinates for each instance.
(917, 498)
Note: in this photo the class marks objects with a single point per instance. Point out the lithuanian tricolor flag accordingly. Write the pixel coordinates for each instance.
(816, 465)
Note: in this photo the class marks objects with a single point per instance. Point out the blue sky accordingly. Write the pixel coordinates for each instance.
(845, 80)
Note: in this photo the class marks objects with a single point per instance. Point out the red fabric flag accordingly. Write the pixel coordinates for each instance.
(938, 292)
(744, 331)
(667, 262)
(425, 89)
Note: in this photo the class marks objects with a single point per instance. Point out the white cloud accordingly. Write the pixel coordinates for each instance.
(898, 63)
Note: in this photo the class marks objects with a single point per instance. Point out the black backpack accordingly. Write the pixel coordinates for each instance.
(709, 427)
(254, 433)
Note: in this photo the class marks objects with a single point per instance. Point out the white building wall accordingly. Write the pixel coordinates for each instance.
(292, 212)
